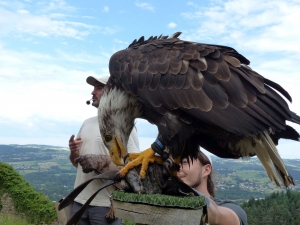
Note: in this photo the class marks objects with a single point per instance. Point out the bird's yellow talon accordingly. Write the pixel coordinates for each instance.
(123, 172)
(143, 174)
(143, 158)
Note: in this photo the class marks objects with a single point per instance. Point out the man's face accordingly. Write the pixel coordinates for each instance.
(191, 174)
(97, 93)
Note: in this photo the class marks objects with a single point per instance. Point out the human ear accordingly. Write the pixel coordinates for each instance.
(207, 169)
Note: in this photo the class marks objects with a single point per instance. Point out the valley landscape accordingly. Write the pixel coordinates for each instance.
(48, 170)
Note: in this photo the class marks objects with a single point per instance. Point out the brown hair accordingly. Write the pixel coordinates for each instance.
(210, 184)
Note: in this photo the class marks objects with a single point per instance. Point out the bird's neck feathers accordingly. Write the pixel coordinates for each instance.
(119, 108)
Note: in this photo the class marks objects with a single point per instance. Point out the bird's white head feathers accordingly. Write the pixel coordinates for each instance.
(116, 114)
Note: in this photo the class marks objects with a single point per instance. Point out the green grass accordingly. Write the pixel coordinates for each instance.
(12, 220)
(193, 202)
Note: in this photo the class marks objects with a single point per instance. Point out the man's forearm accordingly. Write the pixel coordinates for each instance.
(72, 158)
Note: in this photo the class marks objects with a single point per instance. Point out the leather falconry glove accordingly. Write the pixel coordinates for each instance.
(97, 163)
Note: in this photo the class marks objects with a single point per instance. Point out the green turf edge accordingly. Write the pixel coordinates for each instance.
(191, 202)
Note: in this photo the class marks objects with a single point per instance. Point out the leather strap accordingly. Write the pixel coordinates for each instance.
(76, 217)
(109, 175)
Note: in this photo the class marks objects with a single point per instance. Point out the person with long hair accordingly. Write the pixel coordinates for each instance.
(197, 173)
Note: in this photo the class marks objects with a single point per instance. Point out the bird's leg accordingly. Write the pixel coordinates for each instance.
(159, 148)
(144, 158)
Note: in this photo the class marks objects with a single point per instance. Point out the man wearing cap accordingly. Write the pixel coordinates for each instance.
(197, 174)
(91, 157)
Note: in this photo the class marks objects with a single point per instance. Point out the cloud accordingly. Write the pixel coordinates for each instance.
(15, 5)
(22, 11)
(88, 17)
(268, 25)
(55, 5)
(120, 41)
(43, 26)
(37, 126)
(58, 15)
(83, 57)
(105, 9)
(47, 86)
(192, 4)
(145, 5)
(172, 25)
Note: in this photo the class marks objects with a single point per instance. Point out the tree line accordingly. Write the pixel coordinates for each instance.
(279, 208)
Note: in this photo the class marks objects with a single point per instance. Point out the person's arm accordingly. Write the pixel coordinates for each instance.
(218, 215)
(74, 145)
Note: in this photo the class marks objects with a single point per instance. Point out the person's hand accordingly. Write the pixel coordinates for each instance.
(74, 145)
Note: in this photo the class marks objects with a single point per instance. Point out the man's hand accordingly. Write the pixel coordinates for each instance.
(98, 163)
(74, 146)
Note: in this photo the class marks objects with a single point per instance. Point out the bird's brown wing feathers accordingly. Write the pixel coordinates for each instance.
(211, 83)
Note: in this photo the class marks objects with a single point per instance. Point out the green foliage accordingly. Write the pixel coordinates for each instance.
(12, 220)
(55, 183)
(194, 202)
(35, 206)
(279, 208)
(124, 222)
(1, 193)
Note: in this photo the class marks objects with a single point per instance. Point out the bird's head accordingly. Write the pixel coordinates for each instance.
(116, 114)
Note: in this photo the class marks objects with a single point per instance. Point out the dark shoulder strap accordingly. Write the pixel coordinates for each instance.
(76, 217)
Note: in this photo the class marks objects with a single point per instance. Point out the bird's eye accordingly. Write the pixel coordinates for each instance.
(108, 138)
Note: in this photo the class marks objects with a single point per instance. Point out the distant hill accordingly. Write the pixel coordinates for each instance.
(240, 180)
(49, 170)
(39, 146)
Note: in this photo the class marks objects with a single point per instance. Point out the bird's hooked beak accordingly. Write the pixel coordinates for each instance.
(117, 151)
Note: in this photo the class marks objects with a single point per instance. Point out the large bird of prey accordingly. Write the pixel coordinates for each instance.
(197, 95)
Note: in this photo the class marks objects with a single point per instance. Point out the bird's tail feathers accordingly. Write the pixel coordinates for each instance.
(268, 155)
(295, 118)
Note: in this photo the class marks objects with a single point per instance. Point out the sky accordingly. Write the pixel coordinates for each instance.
(48, 49)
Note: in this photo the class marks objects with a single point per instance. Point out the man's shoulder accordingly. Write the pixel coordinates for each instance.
(234, 207)
(219, 201)
(91, 119)
(225, 203)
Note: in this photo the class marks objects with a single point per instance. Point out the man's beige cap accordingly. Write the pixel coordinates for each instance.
(92, 80)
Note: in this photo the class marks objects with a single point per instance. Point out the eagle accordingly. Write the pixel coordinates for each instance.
(199, 96)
